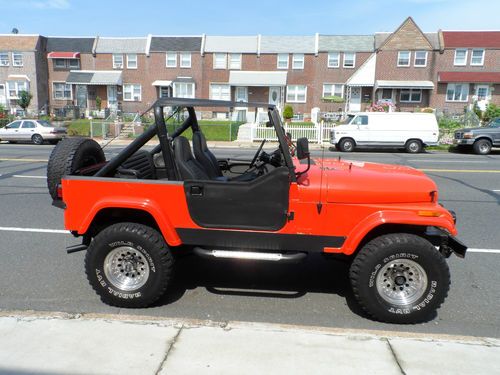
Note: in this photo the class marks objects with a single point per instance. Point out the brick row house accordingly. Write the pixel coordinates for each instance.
(411, 69)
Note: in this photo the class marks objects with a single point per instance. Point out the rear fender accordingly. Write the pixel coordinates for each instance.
(163, 222)
(393, 217)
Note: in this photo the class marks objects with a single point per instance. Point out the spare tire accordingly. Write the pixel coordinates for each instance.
(70, 155)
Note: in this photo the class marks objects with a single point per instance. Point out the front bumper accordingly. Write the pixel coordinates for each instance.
(446, 243)
(468, 142)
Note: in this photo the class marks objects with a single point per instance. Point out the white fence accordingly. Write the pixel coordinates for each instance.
(315, 133)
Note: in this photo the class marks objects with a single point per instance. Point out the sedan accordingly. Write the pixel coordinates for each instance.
(35, 131)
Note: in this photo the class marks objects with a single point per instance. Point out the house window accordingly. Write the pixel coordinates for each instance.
(131, 92)
(420, 58)
(4, 59)
(235, 61)
(165, 91)
(460, 57)
(131, 61)
(298, 61)
(457, 92)
(220, 92)
(61, 91)
(74, 63)
(17, 59)
(15, 87)
(186, 60)
(410, 96)
(184, 90)
(220, 61)
(477, 57)
(349, 59)
(60, 63)
(333, 59)
(241, 94)
(331, 89)
(117, 61)
(66, 64)
(404, 58)
(296, 93)
(171, 60)
(282, 61)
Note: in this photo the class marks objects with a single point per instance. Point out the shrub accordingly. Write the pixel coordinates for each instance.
(288, 112)
(333, 99)
(491, 112)
(449, 123)
(98, 102)
(427, 110)
(24, 99)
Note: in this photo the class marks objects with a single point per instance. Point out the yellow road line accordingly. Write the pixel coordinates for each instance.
(461, 170)
(25, 160)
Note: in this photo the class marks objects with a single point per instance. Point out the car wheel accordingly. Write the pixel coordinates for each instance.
(413, 146)
(70, 155)
(400, 278)
(482, 147)
(347, 145)
(129, 265)
(37, 139)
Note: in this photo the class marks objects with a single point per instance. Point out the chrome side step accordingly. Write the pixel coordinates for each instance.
(250, 255)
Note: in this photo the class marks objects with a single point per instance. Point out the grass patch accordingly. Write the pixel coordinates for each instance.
(213, 130)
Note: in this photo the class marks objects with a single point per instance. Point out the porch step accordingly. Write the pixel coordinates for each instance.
(245, 132)
(126, 130)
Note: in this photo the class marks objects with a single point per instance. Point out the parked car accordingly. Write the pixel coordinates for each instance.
(30, 130)
(139, 210)
(413, 131)
(481, 139)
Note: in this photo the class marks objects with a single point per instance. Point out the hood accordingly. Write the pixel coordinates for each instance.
(361, 182)
(465, 130)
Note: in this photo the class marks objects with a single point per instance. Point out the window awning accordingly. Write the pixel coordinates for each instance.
(256, 78)
(63, 55)
(424, 85)
(469, 77)
(97, 78)
(365, 75)
(23, 77)
(160, 82)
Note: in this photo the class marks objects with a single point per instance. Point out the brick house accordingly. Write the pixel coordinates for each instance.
(174, 68)
(23, 67)
(65, 56)
(406, 66)
(468, 70)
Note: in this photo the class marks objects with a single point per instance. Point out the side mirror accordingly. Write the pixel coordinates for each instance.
(302, 148)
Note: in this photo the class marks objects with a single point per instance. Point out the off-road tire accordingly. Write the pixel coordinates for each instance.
(414, 146)
(347, 145)
(482, 147)
(70, 155)
(138, 239)
(379, 255)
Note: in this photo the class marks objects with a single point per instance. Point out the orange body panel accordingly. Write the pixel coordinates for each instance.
(354, 198)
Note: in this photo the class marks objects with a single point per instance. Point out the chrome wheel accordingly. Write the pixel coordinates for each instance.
(126, 268)
(413, 147)
(401, 282)
(37, 139)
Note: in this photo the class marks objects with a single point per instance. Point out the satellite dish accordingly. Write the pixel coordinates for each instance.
(15, 31)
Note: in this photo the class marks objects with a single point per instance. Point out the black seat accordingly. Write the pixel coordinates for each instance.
(204, 156)
(140, 165)
(189, 167)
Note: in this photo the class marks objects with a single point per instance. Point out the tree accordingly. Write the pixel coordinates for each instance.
(24, 99)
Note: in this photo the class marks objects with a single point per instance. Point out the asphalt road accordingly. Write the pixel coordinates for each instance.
(36, 273)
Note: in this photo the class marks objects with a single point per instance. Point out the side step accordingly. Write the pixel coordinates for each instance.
(250, 255)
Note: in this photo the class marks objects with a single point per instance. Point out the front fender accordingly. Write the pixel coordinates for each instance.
(359, 232)
(149, 206)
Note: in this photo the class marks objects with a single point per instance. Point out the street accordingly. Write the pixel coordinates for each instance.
(37, 274)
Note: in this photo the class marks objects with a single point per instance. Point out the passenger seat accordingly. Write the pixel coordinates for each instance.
(189, 167)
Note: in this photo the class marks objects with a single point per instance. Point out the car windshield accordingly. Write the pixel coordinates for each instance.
(347, 120)
(495, 123)
(45, 123)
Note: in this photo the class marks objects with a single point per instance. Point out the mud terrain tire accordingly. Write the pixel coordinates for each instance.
(400, 278)
(129, 265)
(70, 155)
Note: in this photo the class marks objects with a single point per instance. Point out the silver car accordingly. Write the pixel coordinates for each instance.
(35, 131)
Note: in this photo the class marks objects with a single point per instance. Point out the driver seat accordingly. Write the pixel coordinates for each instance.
(204, 156)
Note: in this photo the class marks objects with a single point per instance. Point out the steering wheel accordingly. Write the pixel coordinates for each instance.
(257, 154)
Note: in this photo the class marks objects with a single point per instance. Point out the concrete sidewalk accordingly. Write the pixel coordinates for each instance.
(103, 344)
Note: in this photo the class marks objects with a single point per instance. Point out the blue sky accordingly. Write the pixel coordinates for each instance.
(216, 17)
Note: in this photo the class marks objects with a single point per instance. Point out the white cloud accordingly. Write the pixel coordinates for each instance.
(50, 4)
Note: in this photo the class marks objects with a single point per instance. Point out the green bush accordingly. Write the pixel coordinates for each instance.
(288, 112)
(449, 123)
(491, 112)
(333, 99)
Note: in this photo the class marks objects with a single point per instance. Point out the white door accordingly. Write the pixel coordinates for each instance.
(27, 130)
(483, 96)
(355, 99)
(274, 95)
(3, 96)
(11, 131)
(112, 98)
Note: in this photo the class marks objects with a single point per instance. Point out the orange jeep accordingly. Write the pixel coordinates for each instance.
(140, 209)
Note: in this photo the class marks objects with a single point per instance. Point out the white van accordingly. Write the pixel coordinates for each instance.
(413, 131)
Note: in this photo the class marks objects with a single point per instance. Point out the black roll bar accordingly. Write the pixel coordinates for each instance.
(166, 147)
